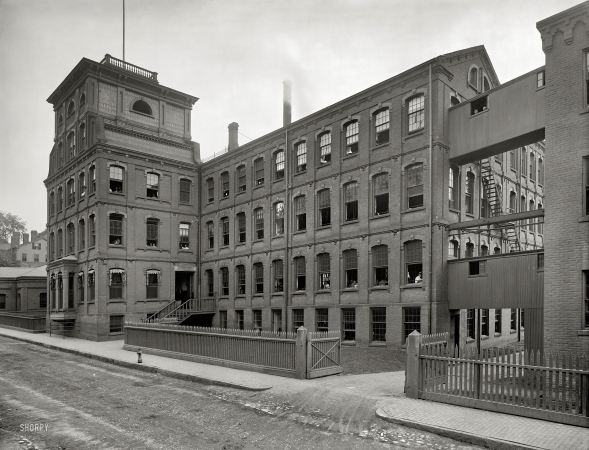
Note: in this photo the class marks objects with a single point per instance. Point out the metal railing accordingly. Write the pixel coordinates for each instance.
(30, 323)
(176, 311)
(215, 155)
(109, 60)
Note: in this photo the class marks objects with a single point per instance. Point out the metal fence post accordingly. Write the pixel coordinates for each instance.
(412, 375)
(301, 354)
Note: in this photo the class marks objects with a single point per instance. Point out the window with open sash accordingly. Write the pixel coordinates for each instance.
(322, 319)
(152, 232)
(325, 148)
(259, 218)
(324, 271)
(259, 278)
(184, 235)
(225, 230)
(279, 165)
(59, 198)
(351, 201)
(324, 205)
(225, 184)
(350, 258)
(413, 261)
(153, 282)
(71, 239)
(71, 192)
(277, 268)
(498, 319)
(349, 324)
(82, 186)
(81, 235)
(92, 173)
(300, 213)
(153, 185)
(381, 127)
(211, 234)
(259, 172)
(241, 179)
(378, 324)
(380, 265)
(351, 129)
(411, 321)
(301, 151)
(185, 191)
(241, 227)
(116, 179)
(278, 219)
(300, 273)
(484, 322)
(115, 281)
(470, 324)
(380, 185)
(115, 236)
(240, 279)
(210, 280)
(224, 281)
(414, 186)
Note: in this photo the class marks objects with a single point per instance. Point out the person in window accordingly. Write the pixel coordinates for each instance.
(352, 284)
(418, 278)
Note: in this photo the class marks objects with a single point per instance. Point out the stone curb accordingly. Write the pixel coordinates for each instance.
(462, 436)
(151, 369)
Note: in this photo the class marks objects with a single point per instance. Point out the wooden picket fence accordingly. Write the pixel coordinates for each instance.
(549, 386)
(300, 355)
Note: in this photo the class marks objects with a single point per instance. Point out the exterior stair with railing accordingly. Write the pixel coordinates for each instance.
(178, 311)
(495, 200)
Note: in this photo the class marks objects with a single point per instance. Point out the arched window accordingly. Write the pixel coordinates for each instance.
(540, 221)
(278, 275)
(224, 231)
(381, 127)
(51, 246)
(325, 148)
(485, 207)
(350, 261)
(301, 151)
(486, 84)
(71, 239)
(224, 278)
(532, 221)
(259, 278)
(71, 192)
(473, 78)
(453, 185)
(324, 271)
(82, 98)
(82, 186)
(240, 279)
(60, 119)
(414, 181)
(225, 184)
(71, 144)
(380, 265)
(380, 185)
(241, 227)
(259, 172)
(351, 129)
(210, 190)
(211, 234)
(300, 206)
(116, 179)
(351, 201)
(142, 107)
(81, 234)
(300, 273)
(82, 137)
(512, 200)
(415, 113)
(259, 219)
(153, 185)
(115, 234)
(92, 177)
(241, 179)
(468, 198)
(497, 250)
(324, 206)
(59, 243)
(279, 165)
(413, 261)
(59, 198)
(60, 153)
(52, 203)
(469, 250)
(71, 108)
(484, 250)
(278, 219)
(453, 249)
(92, 230)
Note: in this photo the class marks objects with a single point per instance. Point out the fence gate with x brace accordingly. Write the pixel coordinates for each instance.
(323, 354)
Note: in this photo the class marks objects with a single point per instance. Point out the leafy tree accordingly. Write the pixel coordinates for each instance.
(6, 260)
(9, 224)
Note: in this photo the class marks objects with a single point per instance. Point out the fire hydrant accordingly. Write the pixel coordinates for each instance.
(139, 360)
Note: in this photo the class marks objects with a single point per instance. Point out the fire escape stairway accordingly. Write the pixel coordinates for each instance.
(495, 201)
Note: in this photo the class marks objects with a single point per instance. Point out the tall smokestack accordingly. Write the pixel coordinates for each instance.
(233, 130)
(287, 104)
(25, 238)
(15, 239)
(33, 235)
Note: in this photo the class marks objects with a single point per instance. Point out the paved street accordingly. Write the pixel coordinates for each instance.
(87, 404)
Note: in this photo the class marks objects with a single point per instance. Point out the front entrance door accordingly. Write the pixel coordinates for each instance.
(184, 290)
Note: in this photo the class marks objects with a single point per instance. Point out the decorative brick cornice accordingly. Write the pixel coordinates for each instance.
(563, 22)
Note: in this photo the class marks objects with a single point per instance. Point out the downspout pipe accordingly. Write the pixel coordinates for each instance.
(286, 263)
(431, 202)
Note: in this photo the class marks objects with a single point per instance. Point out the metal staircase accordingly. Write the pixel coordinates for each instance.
(495, 201)
(178, 311)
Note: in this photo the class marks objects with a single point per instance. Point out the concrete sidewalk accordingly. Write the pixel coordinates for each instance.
(353, 399)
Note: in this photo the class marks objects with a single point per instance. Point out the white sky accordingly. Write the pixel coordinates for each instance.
(234, 55)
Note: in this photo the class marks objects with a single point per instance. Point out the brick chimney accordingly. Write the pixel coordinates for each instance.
(15, 240)
(287, 103)
(25, 238)
(34, 235)
(233, 130)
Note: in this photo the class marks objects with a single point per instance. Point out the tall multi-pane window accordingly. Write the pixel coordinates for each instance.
(152, 233)
(52, 204)
(279, 165)
(301, 151)
(322, 319)
(469, 253)
(71, 192)
(184, 235)
(211, 234)
(152, 185)
(485, 322)
(380, 264)
(325, 148)
(513, 319)
(380, 184)
(92, 230)
(512, 202)
(241, 227)
(453, 248)
(532, 166)
(300, 213)
(277, 269)
(92, 179)
(469, 193)
(239, 322)
(351, 201)
(257, 319)
(82, 131)
(278, 219)
(59, 243)
(210, 190)
(324, 271)
(185, 190)
(522, 208)
(240, 279)
(91, 286)
(81, 235)
(241, 179)
(82, 186)
(259, 278)
(586, 300)
(276, 320)
(378, 324)
(210, 280)
(540, 171)
(59, 198)
(350, 258)
(71, 144)
(259, 218)
(152, 287)
(524, 161)
(415, 113)
(259, 172)
(116, 179)
(513, 159)
(225, 231)
(224, 278)
(115, 236)
(351, 130)
(540, 79)
(531, 221)
(498, 320)
(324, 205)
(348, 324)
(414, 176)
(300, 273)
(540, 221)
(223, 319)
(413, 261)
(51, 246)
(485, 207)
(381, 127)
(225, 184)
(71, 239)
(115, 281)
(453, 184)
(470, 324)
(411, 321)
(298, 318)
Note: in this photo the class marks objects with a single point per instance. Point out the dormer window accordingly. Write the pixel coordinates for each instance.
(71, 108)
(142, 107)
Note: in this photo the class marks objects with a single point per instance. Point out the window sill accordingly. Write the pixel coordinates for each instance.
(258, 186)
(224, 198)
(258, 295)
(152, 249)
(469, 340)
(116, 246)
(141, 113)
(224, 297)
(484, 338)
(278, 236)
(241, 192)
(469, 215)
(239, 296)
(419, 208)
(278, 294)
(585, 110)
(300, 232)
(223, 246)
(378, 146)
(257, 241)
(118, 333)
(412, 286)
(185, 250)
(117, 193)
(302, 172)
(414, 134)
(512, 331)
(350, 156)
(496, 334)
(584, 219)
(320, 165)
(380, 288)
(481, 275)
(479, 113)
(299, 293)
(454, 210)
(349, 290)
(349, 343)
(323, 227)
(377, 344)
(380, 216)
(240, 244)
(583, 333)
(279, 180)
(323, 291)
(116, 300)
(350, 222)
